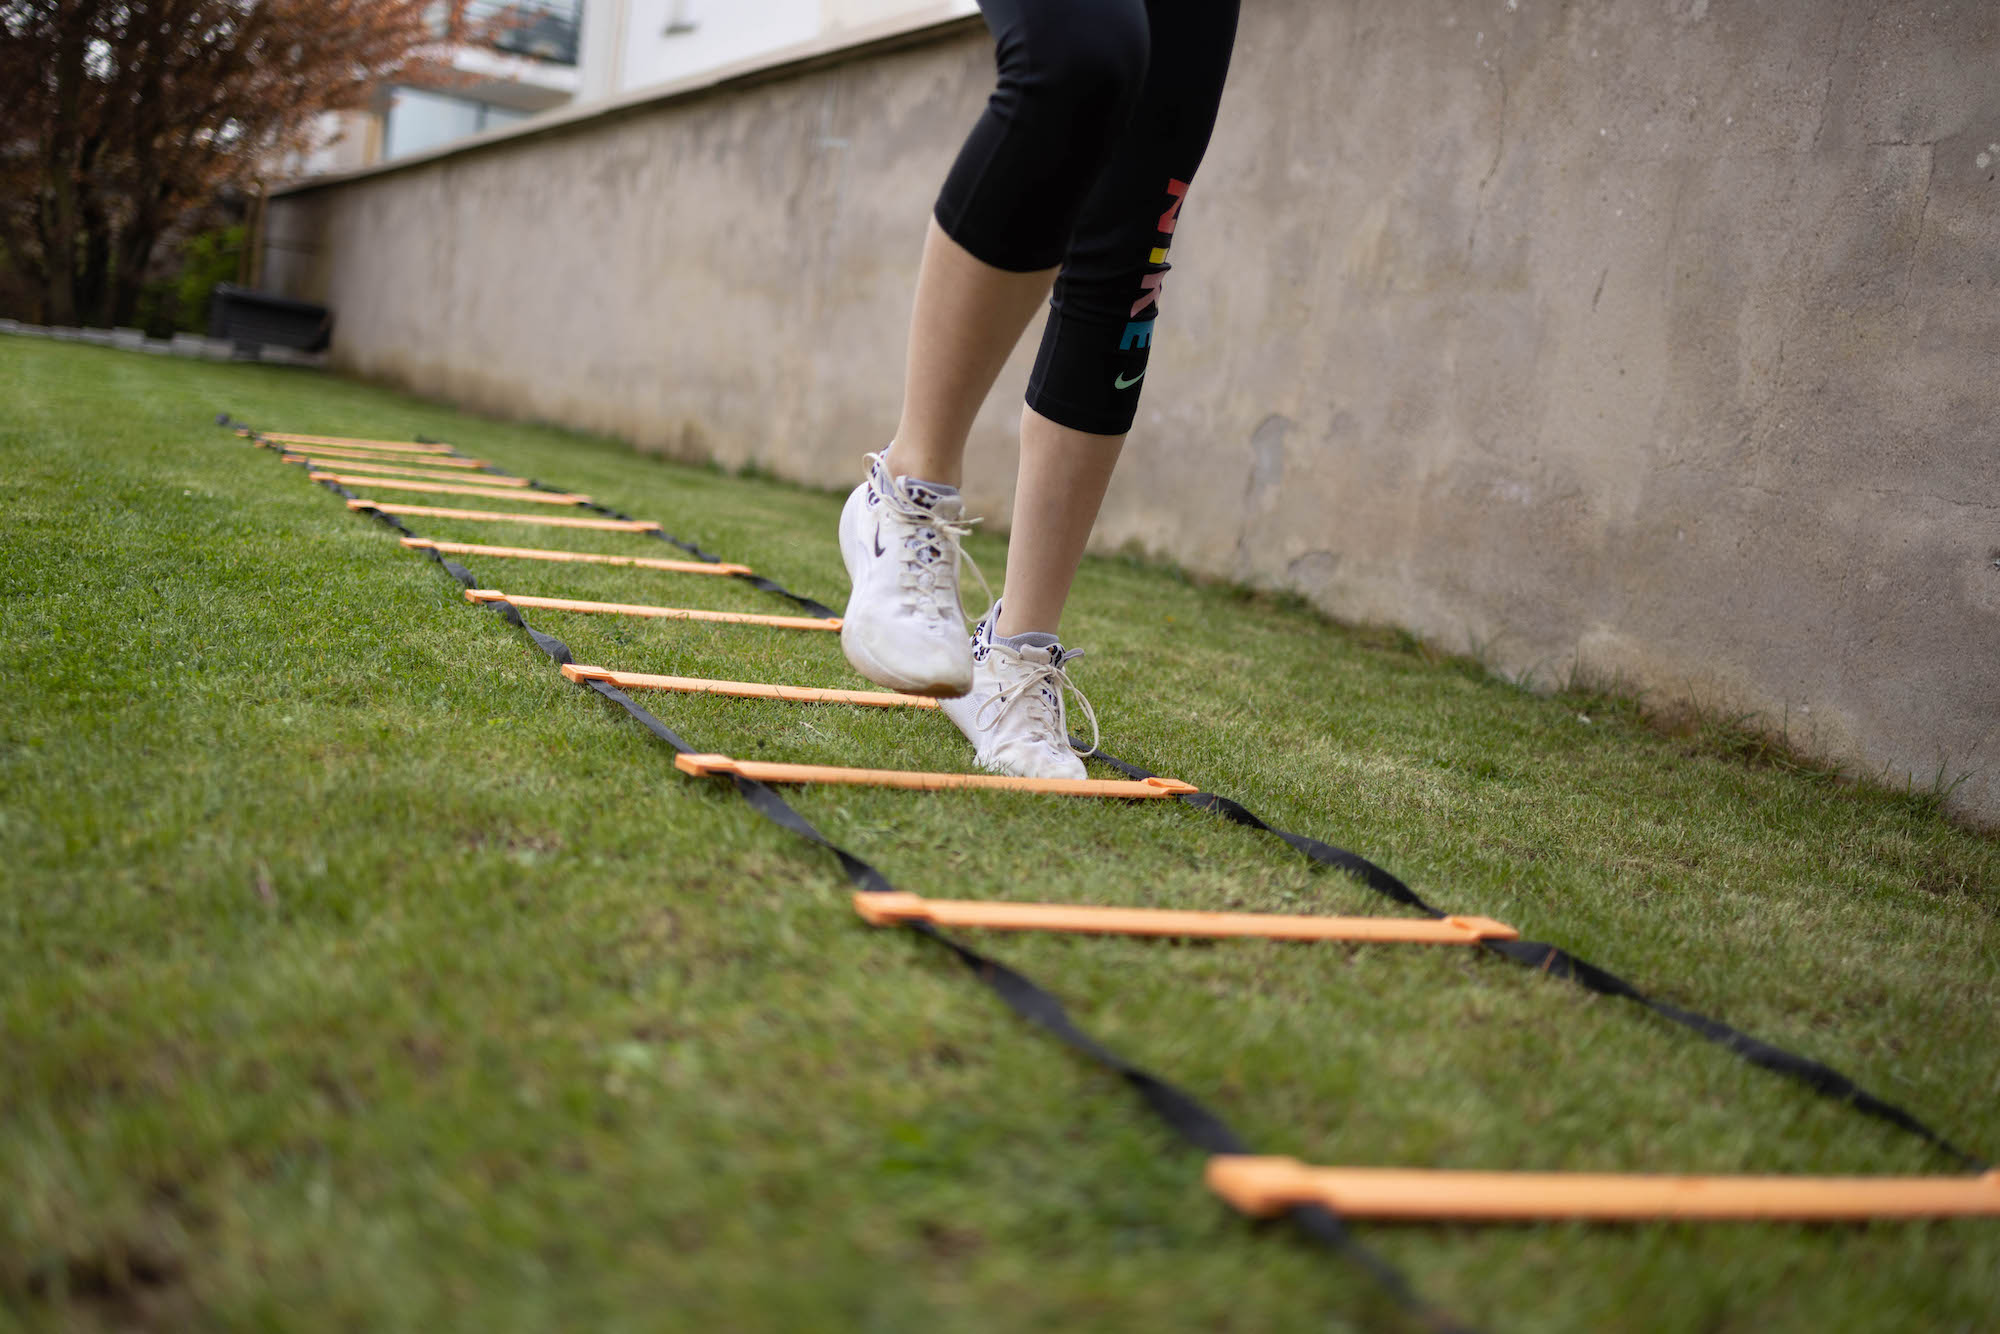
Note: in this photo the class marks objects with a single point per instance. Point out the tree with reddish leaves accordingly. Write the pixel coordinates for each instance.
(118, 118)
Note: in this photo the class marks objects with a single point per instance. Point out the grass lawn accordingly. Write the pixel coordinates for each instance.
(358, 971)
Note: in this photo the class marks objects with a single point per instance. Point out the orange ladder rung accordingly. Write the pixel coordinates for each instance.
(322, 456)
(378, 470)
(491, 516)
(388, 446)
(1264, 1186)
(445, 489)
(890, 909)
(763, 771)
(586, 557)
(701, 685)
(661, 613)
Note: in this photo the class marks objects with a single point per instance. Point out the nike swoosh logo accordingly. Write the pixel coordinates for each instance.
(878, 539)
(1122, 383)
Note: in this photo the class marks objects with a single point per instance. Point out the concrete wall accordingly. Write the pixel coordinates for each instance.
(1659, 334)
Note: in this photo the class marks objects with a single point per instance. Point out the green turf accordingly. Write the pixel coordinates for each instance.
(357, 971)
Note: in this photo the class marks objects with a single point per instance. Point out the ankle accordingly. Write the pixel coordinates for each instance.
(917, 463)
(1010, 626)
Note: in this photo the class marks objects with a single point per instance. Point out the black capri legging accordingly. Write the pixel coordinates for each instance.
(1082, 158)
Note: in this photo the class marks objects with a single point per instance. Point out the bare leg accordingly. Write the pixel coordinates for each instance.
(1063, 477)
(968, 317)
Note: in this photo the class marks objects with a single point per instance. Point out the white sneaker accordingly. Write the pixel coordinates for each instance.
(904, 627)
(1015, 715)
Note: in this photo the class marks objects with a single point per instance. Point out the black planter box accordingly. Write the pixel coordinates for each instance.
(255, 319)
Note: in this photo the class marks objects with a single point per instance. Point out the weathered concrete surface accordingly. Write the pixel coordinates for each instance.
(1658, 336)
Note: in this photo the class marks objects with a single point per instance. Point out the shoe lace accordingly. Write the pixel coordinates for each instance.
(1042, 687)
(936, 536)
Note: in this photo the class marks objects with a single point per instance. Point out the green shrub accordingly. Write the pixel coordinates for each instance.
(179, 303)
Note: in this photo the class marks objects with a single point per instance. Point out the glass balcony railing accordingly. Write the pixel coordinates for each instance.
(540, 29)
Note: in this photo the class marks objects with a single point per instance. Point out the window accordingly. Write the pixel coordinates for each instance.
(420, 120)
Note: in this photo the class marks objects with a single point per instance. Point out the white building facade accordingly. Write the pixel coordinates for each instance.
(525, 63)
(542, 55)
(633, 44)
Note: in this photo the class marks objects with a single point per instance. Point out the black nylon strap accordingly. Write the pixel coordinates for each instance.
(1541, 956)
(1558, 962)
(1180, 1111)
(811, 606)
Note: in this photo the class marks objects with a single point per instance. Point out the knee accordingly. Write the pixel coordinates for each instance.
(1087, 69)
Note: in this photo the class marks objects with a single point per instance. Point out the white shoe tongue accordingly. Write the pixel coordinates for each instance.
(1039, 643)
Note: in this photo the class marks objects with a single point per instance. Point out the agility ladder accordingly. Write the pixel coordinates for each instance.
(1259, 1186)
